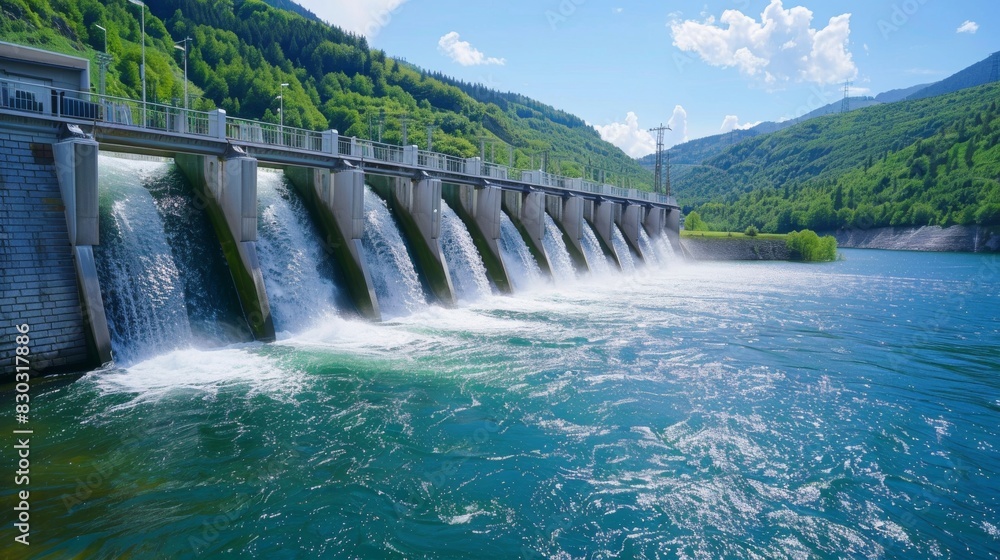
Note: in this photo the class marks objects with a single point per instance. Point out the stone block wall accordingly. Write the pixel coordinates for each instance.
(38, 283)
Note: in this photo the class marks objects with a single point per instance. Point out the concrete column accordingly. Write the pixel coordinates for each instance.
(410, 155)
(474, 166)
(527, 211)
(630, 221)
(479, 209)
(330, 142)
(231, 188)
(217, 124)
(600, 215)
(672, 228)
(654, 222)
(337, 199)
(567, 211)
(76, 171)
(417, 206)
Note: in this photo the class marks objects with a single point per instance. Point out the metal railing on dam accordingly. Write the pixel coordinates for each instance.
(130, 114)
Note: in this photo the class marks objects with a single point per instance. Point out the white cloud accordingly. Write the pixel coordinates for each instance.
(968, 27)
(634, 141)
(638, 142)
(364, 17)
(732, 122)
(463, 53)
(781, 47)
(678, 124)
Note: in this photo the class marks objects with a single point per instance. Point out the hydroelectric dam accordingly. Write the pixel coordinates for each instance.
(447, 226)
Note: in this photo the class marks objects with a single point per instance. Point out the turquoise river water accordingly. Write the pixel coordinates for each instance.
(731, 410)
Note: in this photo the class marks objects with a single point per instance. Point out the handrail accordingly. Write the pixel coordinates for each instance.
(59, 102)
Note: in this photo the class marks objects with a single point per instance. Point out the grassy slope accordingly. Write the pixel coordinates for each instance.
(930, 161)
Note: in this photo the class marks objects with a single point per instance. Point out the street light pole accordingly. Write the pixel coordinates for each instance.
(103, 60)
(142, 69)
(281, 114)
(105, 37)
(185, 49)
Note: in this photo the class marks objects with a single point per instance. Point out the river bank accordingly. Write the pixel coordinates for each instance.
(960, 239)
(736, 248)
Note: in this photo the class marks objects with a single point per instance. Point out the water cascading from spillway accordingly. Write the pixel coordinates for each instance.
(522, 268)
(297, 272)
(141, 284)
(600, 264)
(393, 276)
(649, 252)
(465, 264)
(213, 306)
(622, 250)
(555, 247)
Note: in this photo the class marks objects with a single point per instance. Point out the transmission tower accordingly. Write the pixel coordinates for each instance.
(104, 60)
(845, 106)
(658, 173)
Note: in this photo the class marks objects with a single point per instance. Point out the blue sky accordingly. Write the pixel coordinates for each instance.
(704, 67)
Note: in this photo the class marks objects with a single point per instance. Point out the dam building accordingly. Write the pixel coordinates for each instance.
(53, 131)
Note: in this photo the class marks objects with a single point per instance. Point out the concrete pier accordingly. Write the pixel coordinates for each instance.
(654, 222)
(230, 186)
(417, 206)
(527, 211)
(76, 170)
(629, 221)
(337, 201)
(567, 212)
(672, 227)
(601, 217)
(479, 209)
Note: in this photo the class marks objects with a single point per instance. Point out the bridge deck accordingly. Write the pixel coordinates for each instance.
(131, 126)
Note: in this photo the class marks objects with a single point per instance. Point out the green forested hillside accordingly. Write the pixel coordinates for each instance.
(932, 161)
(242, 50)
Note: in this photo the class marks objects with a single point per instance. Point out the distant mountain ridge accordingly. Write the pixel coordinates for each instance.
(980, 73)
(294, 7)
(696, 151)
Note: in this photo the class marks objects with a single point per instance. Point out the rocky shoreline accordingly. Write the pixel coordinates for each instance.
(965, 239)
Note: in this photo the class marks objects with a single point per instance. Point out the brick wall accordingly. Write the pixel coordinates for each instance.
(38, 284)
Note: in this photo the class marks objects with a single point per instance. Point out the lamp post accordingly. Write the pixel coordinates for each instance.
(281, 114)
(103, 60)
(105, 37)
(185, 49)
(142, 69)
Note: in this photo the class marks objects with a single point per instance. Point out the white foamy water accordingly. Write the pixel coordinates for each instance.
(465, 265)
(522, 268)
(397, 285)
(600, 264)
(291, 255)
(625, 256)
(555, 248)
(141, 285)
